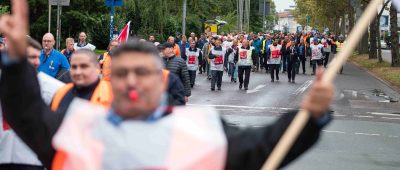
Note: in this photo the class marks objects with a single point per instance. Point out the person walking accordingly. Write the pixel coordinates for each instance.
(245, 59)
(274, 60)
(316, 54)
(292, 61)
(217, 58)
(192, 54)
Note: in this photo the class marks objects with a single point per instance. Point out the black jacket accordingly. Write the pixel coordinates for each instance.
(176, 91)
(33, 121)
(178, 66)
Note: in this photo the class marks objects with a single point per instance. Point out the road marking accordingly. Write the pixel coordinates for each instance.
(383, 114)
(338, 115)
(368, 134)
(303, 87)
(332, 131)
(364, 116)
(391, 118)
(255, 89)
(391, 136)
(225, 109)
(243, 107)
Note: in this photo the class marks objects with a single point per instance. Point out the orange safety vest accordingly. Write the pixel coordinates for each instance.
(106, 71)
(102, 95)
(177, 51)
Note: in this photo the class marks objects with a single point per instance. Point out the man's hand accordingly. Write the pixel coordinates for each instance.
(15, 28)
(317, 101)
(186, 99)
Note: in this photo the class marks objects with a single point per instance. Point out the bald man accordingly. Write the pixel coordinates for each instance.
(83, 44)
(52, 62)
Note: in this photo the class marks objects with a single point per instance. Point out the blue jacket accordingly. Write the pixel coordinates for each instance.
(52, 63)
(257, 45)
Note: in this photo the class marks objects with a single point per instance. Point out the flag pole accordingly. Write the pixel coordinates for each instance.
(298, 123)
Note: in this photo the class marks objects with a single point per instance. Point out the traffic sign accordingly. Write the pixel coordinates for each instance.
(116, 3)
(59, 2)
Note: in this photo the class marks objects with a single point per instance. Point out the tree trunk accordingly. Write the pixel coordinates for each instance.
(363, 45)
(394, 37)
(372, 40)
(378, 36)
(343, 25)
(379, 30)
(351, 16)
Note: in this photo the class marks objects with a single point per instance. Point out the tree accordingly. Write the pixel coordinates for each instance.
(379, 30)
(394, 37)
(372, 40)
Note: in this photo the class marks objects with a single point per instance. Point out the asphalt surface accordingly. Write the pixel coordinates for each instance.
(363, 135)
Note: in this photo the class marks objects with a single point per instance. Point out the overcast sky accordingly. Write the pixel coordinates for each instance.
(283, 4)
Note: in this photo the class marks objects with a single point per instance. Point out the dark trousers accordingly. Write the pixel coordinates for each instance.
(202, 66)
(262, 64)
(246, 71)
(291, 70)
(216, 78)
(257, 64)
(315, 63)
(274, 68)
(302, 63)
(284, 60)
(326, 59)
(192, 77)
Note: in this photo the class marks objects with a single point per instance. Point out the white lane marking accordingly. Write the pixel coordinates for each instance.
(383, 114)
(303, 87)
(368, 134)
(243, 107)
(364, 116)
(225, 109)
(332, 131)
(338, 115)
(391, 118)
(255, 89)
(391, 136)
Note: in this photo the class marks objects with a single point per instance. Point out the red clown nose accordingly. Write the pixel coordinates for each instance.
(133, 95)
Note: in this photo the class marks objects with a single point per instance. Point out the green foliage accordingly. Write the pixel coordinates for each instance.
(4, 9)
(160, 18)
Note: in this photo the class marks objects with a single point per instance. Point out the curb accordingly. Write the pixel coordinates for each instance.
(390, 85)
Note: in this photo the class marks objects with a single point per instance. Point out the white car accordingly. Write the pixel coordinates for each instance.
(383, 44)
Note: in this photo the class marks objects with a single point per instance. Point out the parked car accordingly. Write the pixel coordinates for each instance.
(383, 44)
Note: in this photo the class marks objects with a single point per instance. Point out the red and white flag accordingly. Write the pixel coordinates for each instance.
(123, 36)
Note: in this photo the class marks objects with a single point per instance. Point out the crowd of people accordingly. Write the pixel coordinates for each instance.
(117, 110)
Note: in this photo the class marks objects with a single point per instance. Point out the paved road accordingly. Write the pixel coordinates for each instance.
(364, 135)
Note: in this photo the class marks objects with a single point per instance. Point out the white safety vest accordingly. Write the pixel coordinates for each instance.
(12, 148)
(189, 138)
(316, 53)
(192, 60)
(276, 55)
(244, 57)
(218, 62)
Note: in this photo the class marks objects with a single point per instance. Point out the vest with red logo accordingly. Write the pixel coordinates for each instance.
(244, 58)
(192, 60)
(276, 56)
(218, 62)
